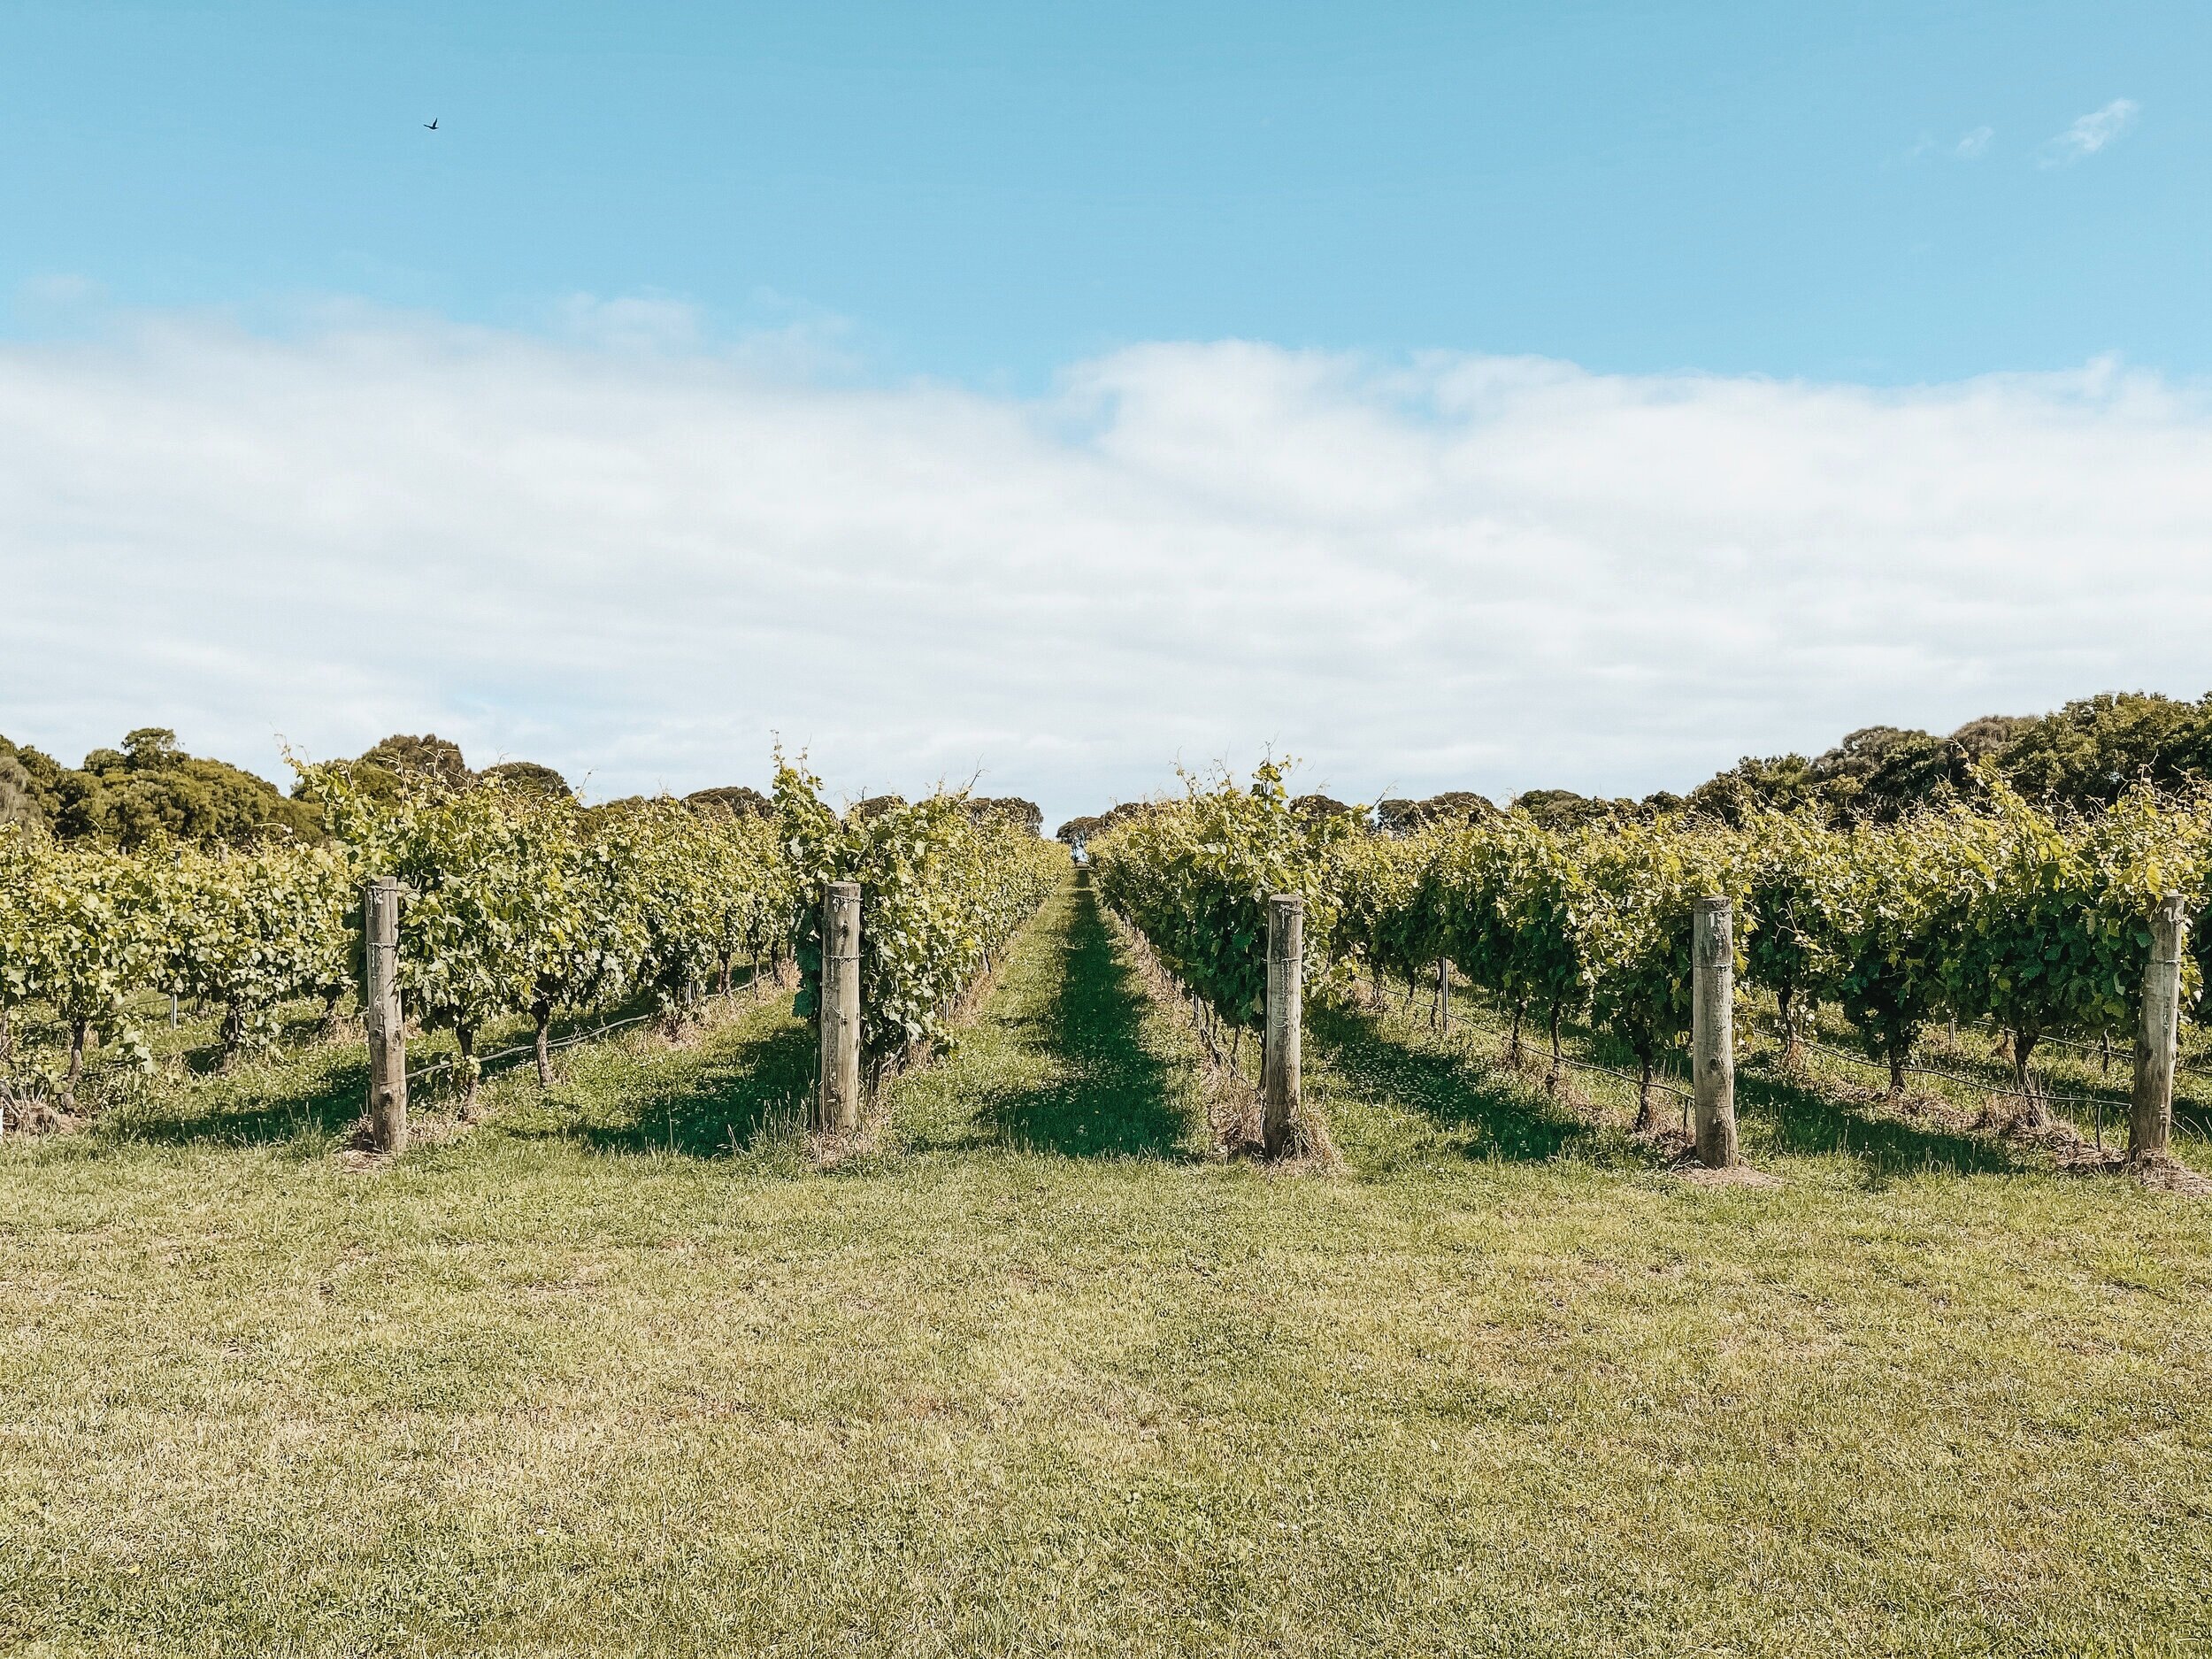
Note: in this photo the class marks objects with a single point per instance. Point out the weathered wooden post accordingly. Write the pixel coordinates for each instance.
(1713, 1032)
(1279, 1056)
(1444, 994)
(382, 1014)
(837, 1106)
(2151, 1115)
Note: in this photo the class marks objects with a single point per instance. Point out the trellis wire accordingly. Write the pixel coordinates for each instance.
(1953, 1076)
(1687, 1098)
(2098, 1102)
(484, 1065)
(2091, 1048)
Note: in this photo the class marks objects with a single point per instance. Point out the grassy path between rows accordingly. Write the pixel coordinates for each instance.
(620, 1372)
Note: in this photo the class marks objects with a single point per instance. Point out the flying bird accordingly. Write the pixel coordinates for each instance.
(432, 125)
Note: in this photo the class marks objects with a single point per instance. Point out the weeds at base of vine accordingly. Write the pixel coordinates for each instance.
(830, 1148)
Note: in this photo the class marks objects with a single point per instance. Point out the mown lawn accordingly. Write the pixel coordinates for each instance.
(619, 1371)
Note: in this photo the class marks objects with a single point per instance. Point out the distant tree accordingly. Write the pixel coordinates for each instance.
(738, 800)
(41, 779)
(1400, 816)
(529, 778)
(873, 806)
(18, 804)
(1456, 806)
(1395, 815)
(616, 810)
(428, 756)
(151, 789)
(1875, 775)
(1781, 783)
(1879, 773)
(401, 765)
(1319, 806)
(2089, 752)
(1008, 809)
(1992, 734)
(1563, 809)
(1078, 830)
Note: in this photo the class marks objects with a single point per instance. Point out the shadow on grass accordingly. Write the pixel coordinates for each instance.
(296, 1033)
(2193, 1118)
(715, 1109)
(1795, 1121)
(1783, 1117)
(266, 1110)
(1111, 1096)
(316, 1092)
(1450, 1086)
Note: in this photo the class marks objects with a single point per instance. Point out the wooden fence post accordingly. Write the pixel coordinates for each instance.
(1279, 1057)
(382, 1014)
(1713, 1032)
(2151, 1114)
(837, 1109)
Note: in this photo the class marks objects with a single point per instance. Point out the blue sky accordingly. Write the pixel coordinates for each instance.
(989, 193)
(1402, 387)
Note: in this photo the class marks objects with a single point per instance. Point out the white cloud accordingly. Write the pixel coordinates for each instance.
(1971, 145)
(2091, 133)
(1457, 570)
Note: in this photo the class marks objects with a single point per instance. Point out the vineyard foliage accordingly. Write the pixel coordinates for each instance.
(521, 903)
(943, 890)
(2035, 923)
(1195, 877)
(78, 930)
(525, 904)
(247, 932)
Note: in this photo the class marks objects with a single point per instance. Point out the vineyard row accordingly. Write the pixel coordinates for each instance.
(495, 904)
(2047, 928)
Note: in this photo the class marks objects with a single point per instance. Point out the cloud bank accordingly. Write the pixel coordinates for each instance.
(640, 564)
(2091, 133)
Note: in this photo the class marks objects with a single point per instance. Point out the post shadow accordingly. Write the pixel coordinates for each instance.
(1796, 1120)
(712, 1110)
(1449, 1087)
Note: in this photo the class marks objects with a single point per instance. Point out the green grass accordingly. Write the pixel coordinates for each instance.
(619, 1371)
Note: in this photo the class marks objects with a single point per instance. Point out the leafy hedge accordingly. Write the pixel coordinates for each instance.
(943, 890)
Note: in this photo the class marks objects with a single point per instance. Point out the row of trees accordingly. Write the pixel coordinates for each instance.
(2007, 914)
(147, 791)
(525, 904)
(2083, 756)
(1194, 877)
(150, 792)
(84, 928)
